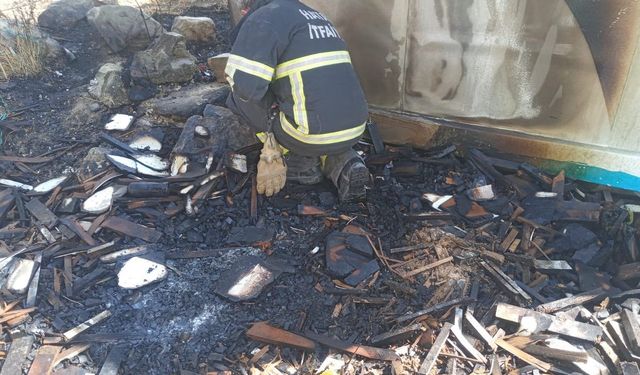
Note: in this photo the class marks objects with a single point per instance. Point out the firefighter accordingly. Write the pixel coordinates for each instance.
(292, 81)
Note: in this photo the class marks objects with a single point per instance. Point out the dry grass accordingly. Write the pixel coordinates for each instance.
(21, 54)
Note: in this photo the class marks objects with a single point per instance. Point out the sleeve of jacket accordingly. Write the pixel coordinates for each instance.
(253, 58)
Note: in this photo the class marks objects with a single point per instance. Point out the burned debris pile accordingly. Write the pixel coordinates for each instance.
(457, 261)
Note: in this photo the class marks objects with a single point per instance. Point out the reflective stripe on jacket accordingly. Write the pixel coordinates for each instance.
(295, 52)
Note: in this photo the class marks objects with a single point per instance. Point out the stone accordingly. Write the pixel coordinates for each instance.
(63, 15)
(100, 202)
(246, 279)
(186, 102)
(108, 86)
(94, 162)
(195, 29)
(138, 272)
(119, 122)
(124, 27)
(83, 112)
(166, 61)
(20, 276)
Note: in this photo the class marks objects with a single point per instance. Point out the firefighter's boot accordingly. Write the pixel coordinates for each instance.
(349, 174)
(304, 170)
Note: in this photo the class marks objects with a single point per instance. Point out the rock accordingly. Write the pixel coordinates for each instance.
(138, 272)
(63, 15)
(94, 162)
(142, 89)
(119, 122)
(108, 86)
(20, 276)
(124, 27)
(84, 112)
(246, 279)
(11, 29)
(186, 102)
(99, 202)
(195, 29)
(166, 61)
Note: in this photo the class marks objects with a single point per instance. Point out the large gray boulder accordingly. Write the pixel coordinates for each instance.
(166, 61)
(63, 15)
(195, 29)
(108, 86)
(186, 102)
(124, 27)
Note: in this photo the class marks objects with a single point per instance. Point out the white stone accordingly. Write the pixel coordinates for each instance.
(49, 185)
(99, 202)
(138, 272)
(119, 122)
(20, 276)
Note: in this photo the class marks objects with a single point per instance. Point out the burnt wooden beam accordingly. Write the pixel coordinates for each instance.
(551, 323)
(396, 335)
(131, 229)
(356, 349)
(631, 327)
(579, 299)
(434, 308)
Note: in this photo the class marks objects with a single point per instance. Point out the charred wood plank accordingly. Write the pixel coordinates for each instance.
(434, 308)
(112, 363)
(396, 335)
(431, 358)
(546, 322)
(356, 349)
(86, 325)
(79, 231)
(131, 229)
(631, 327)
(20, 348)
(523, 356)
(266, 333)
(579, 299)
(44, 360)
(480, 330)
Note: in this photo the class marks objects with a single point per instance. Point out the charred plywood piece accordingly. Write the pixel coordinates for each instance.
(341, 260)
(362, 273)
(507, 283)
(246, 279)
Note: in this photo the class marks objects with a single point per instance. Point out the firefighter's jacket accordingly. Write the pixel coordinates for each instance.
(288, 50)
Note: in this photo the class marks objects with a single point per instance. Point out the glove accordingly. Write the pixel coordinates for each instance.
(272, 170)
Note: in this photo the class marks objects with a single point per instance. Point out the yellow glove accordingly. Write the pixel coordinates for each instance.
(272, 170)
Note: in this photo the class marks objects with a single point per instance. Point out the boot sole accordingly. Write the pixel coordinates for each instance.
(353, 187)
